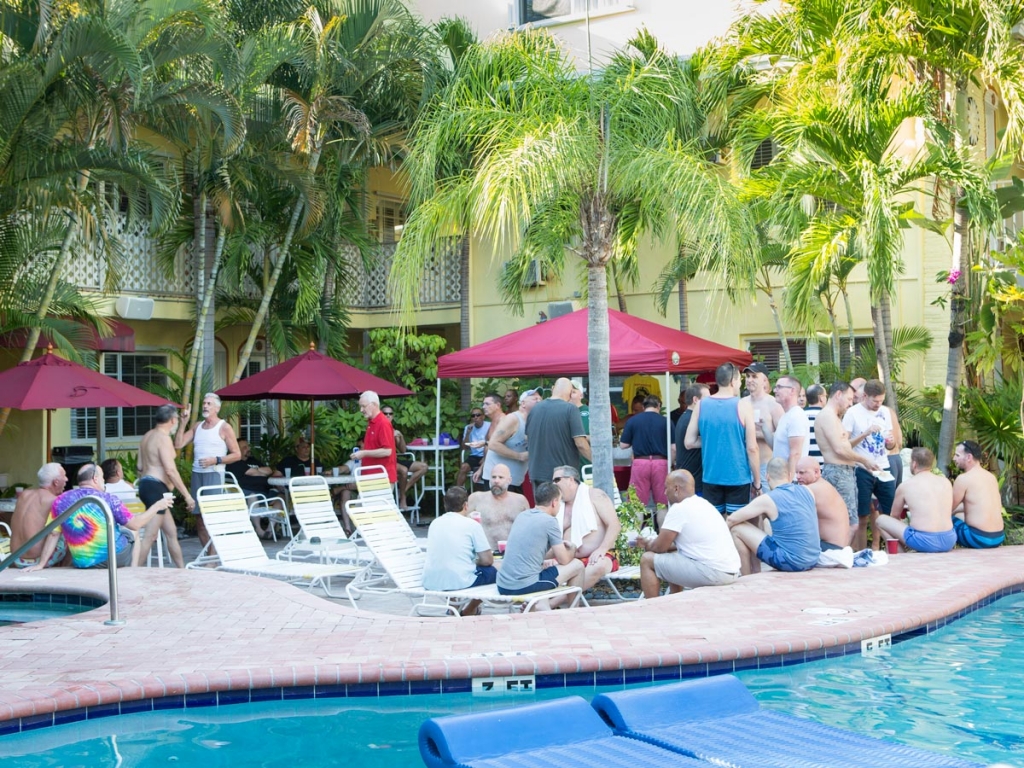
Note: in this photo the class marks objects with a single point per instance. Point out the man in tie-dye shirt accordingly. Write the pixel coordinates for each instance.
(85, 532)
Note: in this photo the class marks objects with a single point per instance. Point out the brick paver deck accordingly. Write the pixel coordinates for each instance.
(198, 631)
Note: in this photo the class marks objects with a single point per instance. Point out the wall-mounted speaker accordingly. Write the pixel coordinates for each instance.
(134, 307)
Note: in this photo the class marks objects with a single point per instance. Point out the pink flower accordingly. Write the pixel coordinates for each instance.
(954, 276)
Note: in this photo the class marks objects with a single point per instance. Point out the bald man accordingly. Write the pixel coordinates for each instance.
(927, 498)
(834, 527)
(555, 433)
(498, 507)
(694, 548)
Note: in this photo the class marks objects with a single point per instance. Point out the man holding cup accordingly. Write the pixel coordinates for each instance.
(158, 474)
(871, 430)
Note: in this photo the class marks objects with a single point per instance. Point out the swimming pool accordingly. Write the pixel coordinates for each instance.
(954, 689)
(23, 607)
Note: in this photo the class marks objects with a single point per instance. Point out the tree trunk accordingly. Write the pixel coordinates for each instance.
(780, 330)
(852, 339)
(51, 289)
(598, 236)
(684, 309)
(881, 354)
(619, 295)
(885, 313)
(955, 355)
(326, 302)
(466, 385)
(268, 291)
(209, 289)
(836, 356)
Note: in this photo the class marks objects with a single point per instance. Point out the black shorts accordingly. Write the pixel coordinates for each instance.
(474, 461)
(405, 461)
(726, 498)
(151, 491)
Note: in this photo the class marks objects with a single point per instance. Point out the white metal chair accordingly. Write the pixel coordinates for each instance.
(274, 510)
(240, 550)
(320, 534)
(399, 561)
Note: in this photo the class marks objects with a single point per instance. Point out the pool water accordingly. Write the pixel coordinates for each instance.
(956, 690)
(19, 608)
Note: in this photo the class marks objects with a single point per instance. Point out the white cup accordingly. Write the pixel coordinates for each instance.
(169, 496)
(334, 471)
(287, 471)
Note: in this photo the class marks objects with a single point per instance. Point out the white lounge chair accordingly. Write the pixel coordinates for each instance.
(587, 476)
(399, 562)
(240, 550)
(320, 535)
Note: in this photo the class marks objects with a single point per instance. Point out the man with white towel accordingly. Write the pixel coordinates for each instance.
(587, 519)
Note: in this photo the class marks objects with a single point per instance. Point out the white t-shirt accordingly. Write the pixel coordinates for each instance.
(702, 534)
(858, 420)
(794, 423)
(453, 542)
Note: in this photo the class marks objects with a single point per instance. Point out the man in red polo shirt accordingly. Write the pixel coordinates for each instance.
(379, 444)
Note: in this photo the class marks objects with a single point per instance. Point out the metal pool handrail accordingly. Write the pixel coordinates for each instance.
(111, 547)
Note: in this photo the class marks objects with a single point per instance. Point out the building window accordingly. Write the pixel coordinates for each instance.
(538, 11)
(845, 360)
(390, 220)
(250, 422)
(769, 352)
(763, 155)
(122, 422)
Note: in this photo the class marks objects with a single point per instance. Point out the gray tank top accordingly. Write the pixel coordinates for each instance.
(515, 443)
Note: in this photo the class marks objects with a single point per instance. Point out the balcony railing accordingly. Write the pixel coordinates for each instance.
(140, 274)
(440, 283)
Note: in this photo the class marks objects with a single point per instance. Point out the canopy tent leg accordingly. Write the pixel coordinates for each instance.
(668, 422)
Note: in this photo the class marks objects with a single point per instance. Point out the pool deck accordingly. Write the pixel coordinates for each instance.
(196, 632)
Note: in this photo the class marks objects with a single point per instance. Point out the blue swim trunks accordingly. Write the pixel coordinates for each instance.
(768, 551)
(928, 541)
(969, 536)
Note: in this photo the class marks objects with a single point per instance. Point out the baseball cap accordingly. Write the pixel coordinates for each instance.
(756, 368)
(580, 387)
(527, 393)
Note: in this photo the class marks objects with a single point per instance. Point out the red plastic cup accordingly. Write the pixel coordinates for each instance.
(501, 547)
(892, 546)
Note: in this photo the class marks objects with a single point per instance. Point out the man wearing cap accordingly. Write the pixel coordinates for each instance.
(767, 413)
(507, 444)
(576, 398)
(554, 430)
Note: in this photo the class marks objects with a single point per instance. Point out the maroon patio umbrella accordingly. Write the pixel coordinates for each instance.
(309, 376)
(50, 382)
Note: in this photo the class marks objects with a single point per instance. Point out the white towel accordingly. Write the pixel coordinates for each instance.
(584, 518)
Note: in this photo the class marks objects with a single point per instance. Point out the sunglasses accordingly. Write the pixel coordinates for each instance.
(476, 415)
(388, 413)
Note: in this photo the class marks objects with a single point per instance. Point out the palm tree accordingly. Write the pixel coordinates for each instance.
(354, 85)
(564, 163)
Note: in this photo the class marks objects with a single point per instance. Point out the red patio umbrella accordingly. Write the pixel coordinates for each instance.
(310, 376)
(51, 382)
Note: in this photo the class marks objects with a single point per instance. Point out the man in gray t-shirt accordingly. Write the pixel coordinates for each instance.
(555, 434)
(534, 533)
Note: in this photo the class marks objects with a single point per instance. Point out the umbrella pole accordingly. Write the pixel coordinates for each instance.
(437, 453)
(49, 446)
(312, 439)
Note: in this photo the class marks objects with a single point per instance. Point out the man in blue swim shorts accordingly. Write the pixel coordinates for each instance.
(977, 505)
(794, 543)
(927, 498)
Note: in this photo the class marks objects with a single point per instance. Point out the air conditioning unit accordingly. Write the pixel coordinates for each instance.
(559, 308)
(134, 307)
(534, 275)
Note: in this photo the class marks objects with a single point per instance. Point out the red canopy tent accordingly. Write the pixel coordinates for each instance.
(559, 348)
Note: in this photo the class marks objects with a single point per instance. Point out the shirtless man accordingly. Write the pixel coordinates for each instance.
(833, 519)
(215, 446)
(158, 474)
(498, 507)
(593, 547)
(33, 512)
(767, 413)
(977, 505)
(836, 452)
(928, 499)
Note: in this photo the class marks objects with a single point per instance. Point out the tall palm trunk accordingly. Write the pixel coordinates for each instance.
(51, 287)
(326, 304)
(885, 312)
(619, 295)
(598, 232)
(850, 336)
(268, 291)
(836, 357)
(780, 329)
(882, 351)
(465, 386)
(684, 308)
(209, 288)
(955, 355)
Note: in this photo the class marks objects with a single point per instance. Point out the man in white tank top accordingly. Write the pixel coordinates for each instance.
(214, 445)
